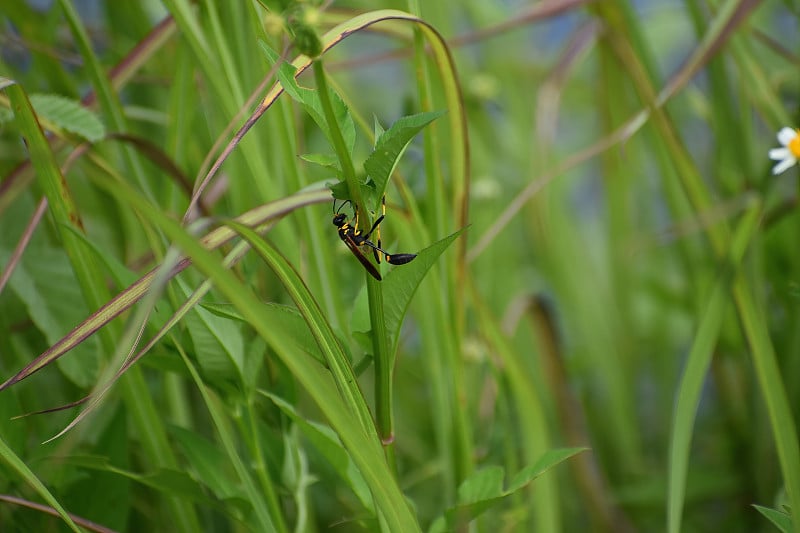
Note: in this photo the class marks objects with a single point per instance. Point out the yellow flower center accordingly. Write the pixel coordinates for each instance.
(794, 145)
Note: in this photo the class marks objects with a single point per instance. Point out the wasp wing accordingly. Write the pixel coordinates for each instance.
(348, 240)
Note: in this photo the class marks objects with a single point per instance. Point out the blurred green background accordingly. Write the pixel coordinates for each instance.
(627, 283)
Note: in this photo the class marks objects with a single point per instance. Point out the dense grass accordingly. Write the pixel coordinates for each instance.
(609, 345)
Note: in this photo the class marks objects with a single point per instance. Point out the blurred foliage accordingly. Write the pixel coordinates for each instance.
(609, 346)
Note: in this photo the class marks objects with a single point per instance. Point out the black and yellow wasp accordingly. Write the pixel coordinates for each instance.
(354, 238)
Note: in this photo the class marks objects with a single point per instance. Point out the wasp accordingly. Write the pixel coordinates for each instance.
(355, 239)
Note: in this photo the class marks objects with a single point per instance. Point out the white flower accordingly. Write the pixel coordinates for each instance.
(789, 154)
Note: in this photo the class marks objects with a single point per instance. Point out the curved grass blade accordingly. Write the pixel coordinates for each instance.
(15, 463)
(269, 517)
(364, 447)
(325, 440)
(335, 357)
(128, 297)
(532, 420)
(688, 395)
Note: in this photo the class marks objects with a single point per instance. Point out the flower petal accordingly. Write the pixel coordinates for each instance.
(779, 153)
(783, 165)
(786, 135)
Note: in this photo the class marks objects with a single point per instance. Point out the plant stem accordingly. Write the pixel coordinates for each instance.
(336, 138)
(383, 370)
(380, 345)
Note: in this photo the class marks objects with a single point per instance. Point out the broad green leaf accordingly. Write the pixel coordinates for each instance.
(218, 342)
(391, 144)
(377, 127)
(402, 282)
(179, 482)
(339, 190)
(285, 319)
(69, 115)
(122, 275)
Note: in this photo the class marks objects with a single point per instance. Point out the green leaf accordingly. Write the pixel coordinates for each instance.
(391, 144)
(69, 115)
(99, 494)
(286, 319)
(324, 439)
(399, 286)
(218, 342)
(484, 488)
(377, 127)
(339, 190)
(323, 160)
(547, 461)
(697, 367)
(14, 462)
(484, 484)
(163, 480)
(780, 519)
(402, 282)
(310, 101)
(45, 283)
(209, 462)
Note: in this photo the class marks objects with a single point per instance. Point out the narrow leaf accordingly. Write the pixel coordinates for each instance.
(209, 462)
(547, 461)
(779, 519)
(11, 459)
(135, 292)
(328, 444)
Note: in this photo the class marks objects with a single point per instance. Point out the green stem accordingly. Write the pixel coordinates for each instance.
(458, 442)
(336, 138)
(383, 369)
(754, 324)
(380, 344)
(249, 428)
